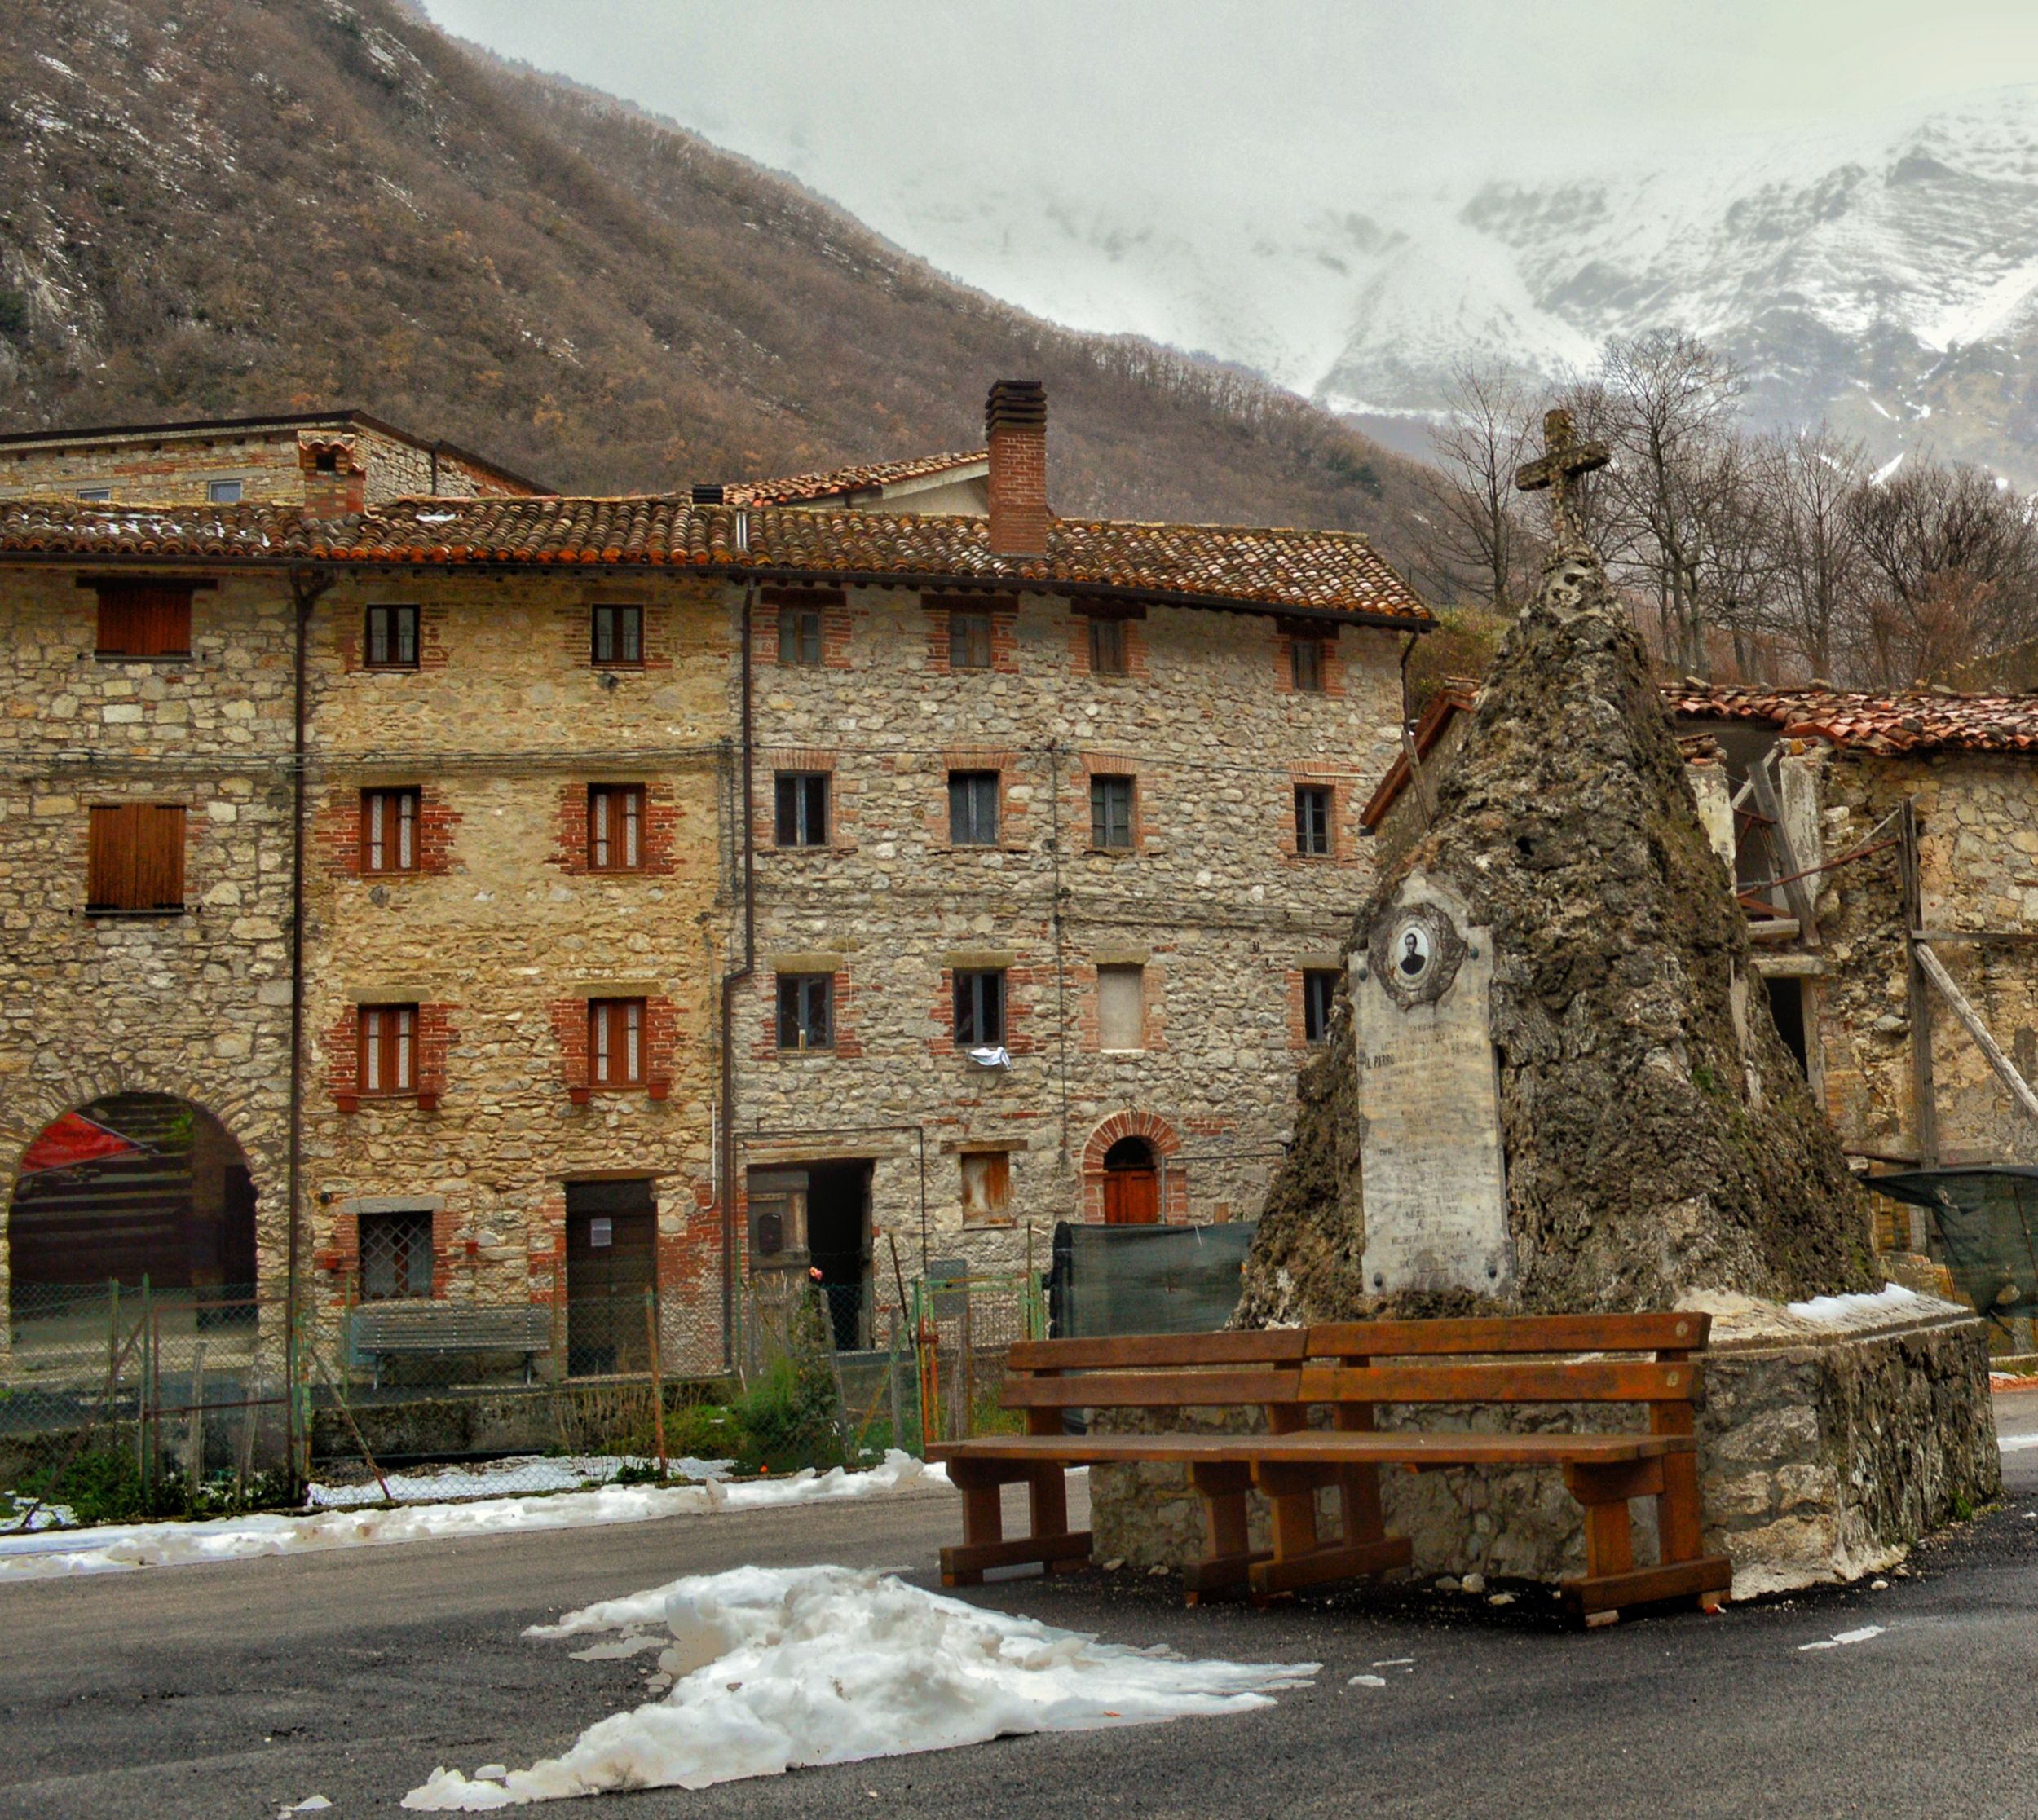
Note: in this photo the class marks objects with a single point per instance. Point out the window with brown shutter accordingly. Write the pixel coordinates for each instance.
(389, 831)
(144, 618)
(616, 1043)
(389, 1048)
(137, 858)
(615, 828)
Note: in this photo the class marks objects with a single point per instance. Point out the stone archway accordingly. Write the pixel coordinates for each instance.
(129, 1188)
(1126, 1176)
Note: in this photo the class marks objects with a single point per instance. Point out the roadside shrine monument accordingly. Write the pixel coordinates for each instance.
(1554, 1086)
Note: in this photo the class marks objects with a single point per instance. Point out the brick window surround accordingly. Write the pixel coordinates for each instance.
(806, 628)
(390, 832)
(616, 1043)
(616, 635)
(342, 832)
(395, 1255)
(1307, 659)
(596, 1053)
(389, 1051)
(615, 828)
(971, 635)
(806, 1012)
(1316, 821)
(389, 638)
(1160, 1138)
(1108, 641)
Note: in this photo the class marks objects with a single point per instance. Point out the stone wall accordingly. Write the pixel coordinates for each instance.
(196, 1006)
(1212, 901)
(175, 470)
(505, 934)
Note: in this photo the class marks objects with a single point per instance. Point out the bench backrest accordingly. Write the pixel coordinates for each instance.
(470, 1325)
(1531, 1358)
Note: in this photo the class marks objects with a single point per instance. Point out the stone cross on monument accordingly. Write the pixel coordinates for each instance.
(1564, 460)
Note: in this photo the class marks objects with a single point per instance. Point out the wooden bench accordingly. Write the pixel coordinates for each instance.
(446, 1327)
(1353, 1369)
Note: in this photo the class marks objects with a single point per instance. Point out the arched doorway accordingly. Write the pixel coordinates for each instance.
(1132, 1186)
(133, 1186)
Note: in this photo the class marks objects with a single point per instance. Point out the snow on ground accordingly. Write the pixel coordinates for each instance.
(19, 1512)
(116, 1549)
(530, 1472)
(1838, 1310)
(785, 1668)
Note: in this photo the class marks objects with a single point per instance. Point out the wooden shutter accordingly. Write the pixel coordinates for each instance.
(144, 618)
(137, 857)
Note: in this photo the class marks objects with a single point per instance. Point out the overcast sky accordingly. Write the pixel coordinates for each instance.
(1192, 84)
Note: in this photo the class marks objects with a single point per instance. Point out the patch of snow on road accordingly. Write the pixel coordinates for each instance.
(1841, 1638)
(1836, 1311)
(525, 1472)
(788, 1668)
(120, 1550)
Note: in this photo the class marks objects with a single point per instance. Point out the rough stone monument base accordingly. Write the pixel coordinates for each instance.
(1828, 1445)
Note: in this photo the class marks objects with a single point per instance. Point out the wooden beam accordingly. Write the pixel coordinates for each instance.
(1795, 874)
(2010, 935)
(1935, 969)
(1918, 1004)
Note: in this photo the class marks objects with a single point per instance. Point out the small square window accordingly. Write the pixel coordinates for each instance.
(135, 861)
(95, 496)
(806, 1010)
(615, 1041)
(389, 831)
(618, 636)
(1107, 647)
(1313, 820)
(1111, 812)
(987, 1186)
(391, 640)
(802, 809)
(396, 1256)
(973, 809)
(980, 1008)
(1307, 657)
(1121, 1007)
(389, 1048)
(968, 640)
(222, 492)
(615, 828)
(1319, 995)
(800, 635)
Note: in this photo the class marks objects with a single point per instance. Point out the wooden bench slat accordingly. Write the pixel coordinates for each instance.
(1178, 1389)
(1278, 1345)
(1590, 1380)
(1652, 1332)
(1417, 1447)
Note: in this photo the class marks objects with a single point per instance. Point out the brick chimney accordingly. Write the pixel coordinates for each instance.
(335, 475)
(1016, 419)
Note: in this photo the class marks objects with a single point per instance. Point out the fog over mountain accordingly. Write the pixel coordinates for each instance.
(1353, 207)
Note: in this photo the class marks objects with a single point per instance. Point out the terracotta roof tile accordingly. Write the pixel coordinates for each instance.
(1920, 720)
(1322, 571)
(794, 489)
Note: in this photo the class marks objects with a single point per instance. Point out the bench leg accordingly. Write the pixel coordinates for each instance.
(1227, 1555)
(1611, 1579)
(981, 1483)
(1299, 1558)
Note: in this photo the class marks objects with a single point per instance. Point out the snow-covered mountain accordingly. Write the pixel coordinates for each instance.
(1884, 274)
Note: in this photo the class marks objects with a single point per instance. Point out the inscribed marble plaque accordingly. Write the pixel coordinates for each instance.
(1436, 1182)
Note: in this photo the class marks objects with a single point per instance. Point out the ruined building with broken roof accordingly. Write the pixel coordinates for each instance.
(517, 895)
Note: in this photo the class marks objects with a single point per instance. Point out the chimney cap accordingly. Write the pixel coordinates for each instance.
(1016, 404)
(707, 492)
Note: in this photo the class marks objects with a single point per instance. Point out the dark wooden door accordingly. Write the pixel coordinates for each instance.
(1132, 1197)
(611, 1266)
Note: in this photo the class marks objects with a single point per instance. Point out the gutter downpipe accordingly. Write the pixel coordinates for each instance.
(305, 592)
(729, 981)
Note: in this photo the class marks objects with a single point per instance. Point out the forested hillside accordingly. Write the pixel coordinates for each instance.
(225, 206)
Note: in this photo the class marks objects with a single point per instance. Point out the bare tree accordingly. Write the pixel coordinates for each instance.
(1666, 403)
(1478, 536)
(1816, 599)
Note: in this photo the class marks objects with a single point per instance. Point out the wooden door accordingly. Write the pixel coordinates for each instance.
(1132, 1197)
(611, 1239)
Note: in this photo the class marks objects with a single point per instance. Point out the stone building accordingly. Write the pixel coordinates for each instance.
(534, 897)
(1840, 768)
(331, 461)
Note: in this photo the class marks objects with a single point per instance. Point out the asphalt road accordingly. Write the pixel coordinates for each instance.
(230, 1690)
